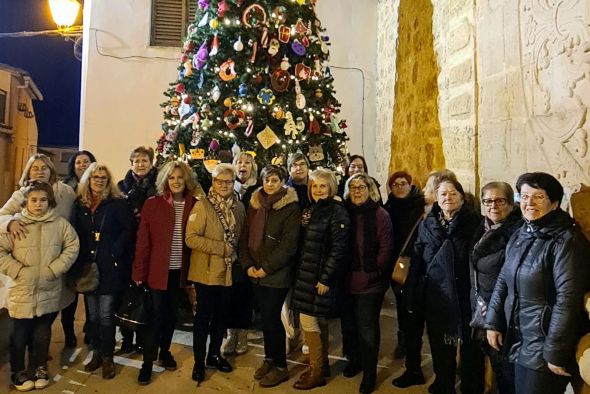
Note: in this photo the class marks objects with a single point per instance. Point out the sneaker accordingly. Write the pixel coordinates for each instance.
(275, 377)
(41, 378)
(167, 361)
(230, 342)
(145, 374)
(22, 382)
(242, 342)
(262, 370)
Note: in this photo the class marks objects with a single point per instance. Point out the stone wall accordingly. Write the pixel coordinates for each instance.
(416, 141)
(387, 33)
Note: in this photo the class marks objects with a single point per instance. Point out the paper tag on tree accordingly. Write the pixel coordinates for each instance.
(267, 137)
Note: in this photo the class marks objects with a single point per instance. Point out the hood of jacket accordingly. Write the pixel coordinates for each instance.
(27, 217)
(288, 198)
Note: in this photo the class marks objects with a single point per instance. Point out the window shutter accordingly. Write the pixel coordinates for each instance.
(168, 22)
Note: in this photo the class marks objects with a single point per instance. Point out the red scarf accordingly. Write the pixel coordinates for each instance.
(258, 221)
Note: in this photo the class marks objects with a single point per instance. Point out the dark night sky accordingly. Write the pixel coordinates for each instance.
(50, 61)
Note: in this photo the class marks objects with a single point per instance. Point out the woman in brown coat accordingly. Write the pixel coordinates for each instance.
(212, 232)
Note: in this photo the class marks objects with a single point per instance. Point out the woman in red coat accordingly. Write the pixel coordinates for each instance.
(161, 259)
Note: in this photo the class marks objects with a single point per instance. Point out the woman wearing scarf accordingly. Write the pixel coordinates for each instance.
(212, 232)
(441, 262)
(268, 248)
(366, 279)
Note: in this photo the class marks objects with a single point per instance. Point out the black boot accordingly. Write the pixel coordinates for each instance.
(352, 369)
(409, 378)
(145, 374)
(368, 383)
(199, 372)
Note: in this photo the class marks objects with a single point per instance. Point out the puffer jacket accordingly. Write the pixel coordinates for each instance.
(64, 197)
(205, 237)
(37, 264)
(114, 251)
(441, 259)
(487, 257)
(277, 252)
(324, 254)
(538, 298)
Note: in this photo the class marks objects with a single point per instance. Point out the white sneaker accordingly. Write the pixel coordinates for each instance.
(242, 342)
(22, 382)
(230, 342)
(41, 378)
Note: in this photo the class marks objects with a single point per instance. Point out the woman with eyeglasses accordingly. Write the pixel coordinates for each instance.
(535, 316)
(441, 262)
(502, 218)
(366, 278)
(212, 233)
(106, 228)
(405, 206)
(268, 248)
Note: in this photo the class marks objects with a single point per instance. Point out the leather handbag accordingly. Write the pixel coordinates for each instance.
(136, 307)
(401, 268)
(84, 277)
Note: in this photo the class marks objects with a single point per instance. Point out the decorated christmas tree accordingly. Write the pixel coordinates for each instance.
(253, 76)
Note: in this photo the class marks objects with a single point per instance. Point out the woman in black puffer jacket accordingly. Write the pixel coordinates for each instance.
(536, 311)
(501, 220)
(441, 261)
(324, 251)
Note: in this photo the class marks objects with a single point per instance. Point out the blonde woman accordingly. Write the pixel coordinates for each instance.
(106, 228)
(324, 251)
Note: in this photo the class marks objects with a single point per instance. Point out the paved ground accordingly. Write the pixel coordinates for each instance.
(68, 374)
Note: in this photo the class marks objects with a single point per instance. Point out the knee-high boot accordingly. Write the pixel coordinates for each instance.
(314, 376)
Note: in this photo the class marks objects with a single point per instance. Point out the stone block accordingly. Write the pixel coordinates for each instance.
(459, 37)
(461, 105)
(461, 73)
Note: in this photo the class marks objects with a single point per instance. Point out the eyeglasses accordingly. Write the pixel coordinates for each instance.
(99, 178)
(500, 202)
(399, 185)
(361, 188)
(220, 182)
(535, 198)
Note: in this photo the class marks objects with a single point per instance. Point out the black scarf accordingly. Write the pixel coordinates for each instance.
(368, 211)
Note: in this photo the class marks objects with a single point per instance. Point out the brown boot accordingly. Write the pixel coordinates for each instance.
(108, 368)
(314, 377)
(94, 363)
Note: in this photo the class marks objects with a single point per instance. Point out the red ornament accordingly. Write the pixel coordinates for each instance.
(222, 8)
(284, 34)
(279, 80)
(314, 126)
(179, 88)
(183, 58)
(302, 72)
(186, 99)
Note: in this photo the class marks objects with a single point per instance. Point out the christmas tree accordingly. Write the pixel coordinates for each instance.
(253, 76)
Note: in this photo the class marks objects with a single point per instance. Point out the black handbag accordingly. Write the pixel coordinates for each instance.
(136, 307)
(478, 319)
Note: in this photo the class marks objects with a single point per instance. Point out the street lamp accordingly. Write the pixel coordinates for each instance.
(64, 14)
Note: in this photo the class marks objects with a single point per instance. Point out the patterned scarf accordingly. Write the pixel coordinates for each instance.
(224, 210)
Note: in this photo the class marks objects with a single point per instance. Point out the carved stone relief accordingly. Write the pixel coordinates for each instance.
(555, 64)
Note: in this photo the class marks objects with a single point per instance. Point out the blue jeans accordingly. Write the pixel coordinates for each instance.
(101, 318)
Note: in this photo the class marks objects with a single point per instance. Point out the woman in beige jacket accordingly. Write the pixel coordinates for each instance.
(36, 264)
(212, 232)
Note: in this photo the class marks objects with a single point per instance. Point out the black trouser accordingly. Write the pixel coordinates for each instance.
(503, 370)
(210, 320)
(67, 318)
(35, 331)
(538, 382)
(360, 322)
(412, 325)
(158, 333)
(444, 363)
(270, 302)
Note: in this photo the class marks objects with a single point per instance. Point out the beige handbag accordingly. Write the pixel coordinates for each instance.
(402, 264)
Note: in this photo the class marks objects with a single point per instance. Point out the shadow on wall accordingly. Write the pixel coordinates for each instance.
(416, 140)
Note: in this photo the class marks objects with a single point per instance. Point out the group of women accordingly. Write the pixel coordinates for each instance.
(508, 286)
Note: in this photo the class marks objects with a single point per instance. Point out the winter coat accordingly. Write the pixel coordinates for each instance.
(538, 298)
(64, 196)
(487, 257)
(277, 252)
(114, 252)
(362, 282)
(151, 263)
(324, 254)
(138, 191)
(37, 264)
(205, 238)
(302, 196)
(404, 213)
(441, 259)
